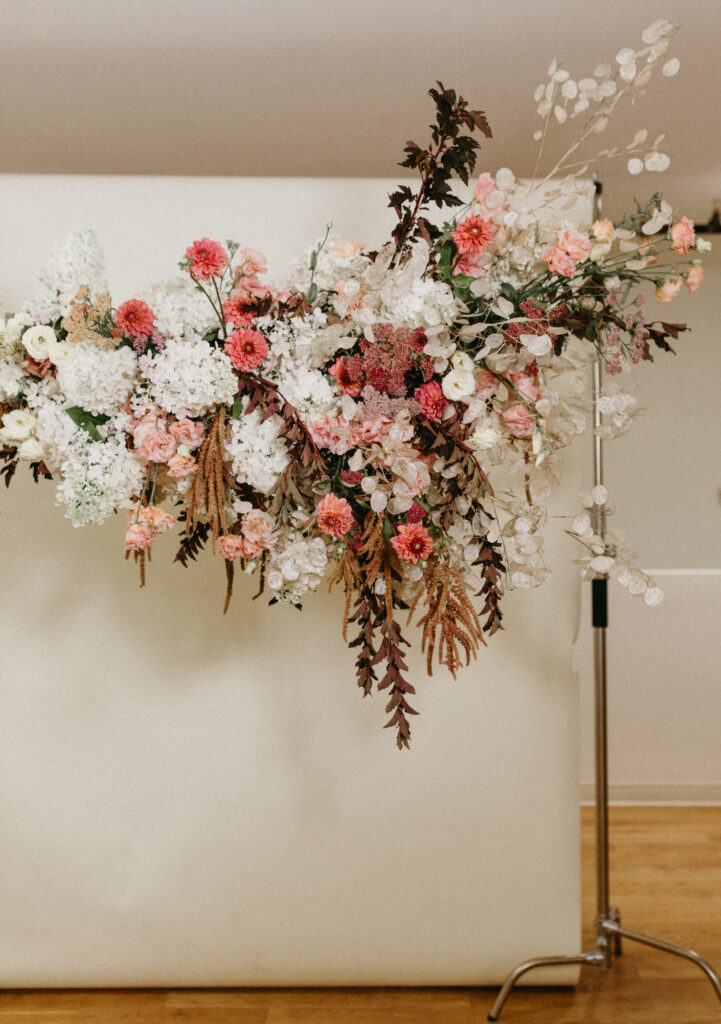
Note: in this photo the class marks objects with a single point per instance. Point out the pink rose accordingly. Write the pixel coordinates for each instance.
(158, 446)
(669, 289)
(470, 265)
(181, 465)
(524, 386)
(149, 423)
(188, 432)
(519, 420)
(694, 277)
(252, 262)
(559, 262)
(576, 245)
(484, 186)
(683, 236)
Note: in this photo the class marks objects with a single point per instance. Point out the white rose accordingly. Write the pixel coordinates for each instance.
(15, 327)
(31, 450)
(17, 426)
(38, 340)
(458, 384)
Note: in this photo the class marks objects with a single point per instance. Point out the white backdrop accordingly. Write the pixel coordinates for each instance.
(189, 799)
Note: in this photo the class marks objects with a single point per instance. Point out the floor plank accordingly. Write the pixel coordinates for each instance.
(665, 876)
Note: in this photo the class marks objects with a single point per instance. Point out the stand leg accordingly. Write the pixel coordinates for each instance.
(612, 928)
(595, 959)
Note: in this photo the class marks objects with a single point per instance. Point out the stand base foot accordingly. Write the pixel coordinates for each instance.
(607, 928)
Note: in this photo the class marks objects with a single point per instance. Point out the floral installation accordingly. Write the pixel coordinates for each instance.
(389, 421)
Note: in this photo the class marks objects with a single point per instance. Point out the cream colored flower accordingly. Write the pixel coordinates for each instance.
(458, 384)
(18, 426)
(38, 340)
(31, 450)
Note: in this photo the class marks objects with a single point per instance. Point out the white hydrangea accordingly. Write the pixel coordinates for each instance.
(179, 307)
(256, 454)
(77, 262)
(98, 380)
(189, 378)
(296, 566)
(97, 478)
(11, 378)
(425, 303)
(309, 391)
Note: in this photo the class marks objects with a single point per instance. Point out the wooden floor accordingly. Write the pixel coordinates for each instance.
(666, 877)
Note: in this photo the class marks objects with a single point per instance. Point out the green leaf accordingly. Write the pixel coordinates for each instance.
(237, 407)
(313, 292)
(87, 421)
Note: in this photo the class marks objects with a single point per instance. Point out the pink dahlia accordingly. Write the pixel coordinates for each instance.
(432, 401)
(208, 259)
(412, 542)
(473, 234)
(246, 348)
(135, 318)
(335, 516)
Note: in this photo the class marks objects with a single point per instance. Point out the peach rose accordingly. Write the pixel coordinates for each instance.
(669, 289)
(188, 432)
(683, 236)
(150, 421)
(576, 245)
(694, 277)
(603, 230)
(158, 446)
(258, 531)
(519, 420)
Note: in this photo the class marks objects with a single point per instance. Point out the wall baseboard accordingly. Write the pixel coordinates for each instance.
(657, 793)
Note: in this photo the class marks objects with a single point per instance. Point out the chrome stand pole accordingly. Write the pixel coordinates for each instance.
(609, 930)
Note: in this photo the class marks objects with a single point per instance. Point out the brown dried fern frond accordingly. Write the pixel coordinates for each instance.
(208, 490)
(450, 624)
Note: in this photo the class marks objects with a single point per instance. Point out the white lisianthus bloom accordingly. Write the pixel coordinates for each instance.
(31, 450)
(537, 344)
(15, 327)
(38, 341)
(458, 384)
(17, 427)
(461, 361)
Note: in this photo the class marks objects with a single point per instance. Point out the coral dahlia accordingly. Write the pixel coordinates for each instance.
(412, 543)
(246, 348)
(208, 259)
(473, 234)
(335, 516)
(135, 318)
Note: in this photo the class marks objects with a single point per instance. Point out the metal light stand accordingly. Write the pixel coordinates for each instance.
(609, 930)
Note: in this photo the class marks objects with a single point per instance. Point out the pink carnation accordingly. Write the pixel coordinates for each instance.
(683, 236)
(158, 446)
(209, 258)
(146, 425)
(335, 516)
(343, 379)
(156, 519)
(486, 384)
(694, 277)
(230, 547)
(412, 542)
(519, 420)
(188, 432)
(180, 466)
(470, 265)
(138, 537)
(473, 234)
(246, 348)
(331, 432)
(135, 318)
(576, 245)
(559, 262)
(524, 386)
(669, 289)
(432, 401)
